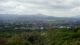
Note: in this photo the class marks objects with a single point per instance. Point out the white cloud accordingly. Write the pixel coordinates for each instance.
(46, 7)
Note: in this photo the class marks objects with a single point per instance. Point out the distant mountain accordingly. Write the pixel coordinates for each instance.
(37, 17)
(5, 17)
(78, 16)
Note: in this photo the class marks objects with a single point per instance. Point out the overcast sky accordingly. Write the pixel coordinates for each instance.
(46, 7)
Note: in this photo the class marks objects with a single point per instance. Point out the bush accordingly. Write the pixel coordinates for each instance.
(26, 43)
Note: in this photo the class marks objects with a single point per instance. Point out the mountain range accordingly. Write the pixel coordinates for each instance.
(37, 17)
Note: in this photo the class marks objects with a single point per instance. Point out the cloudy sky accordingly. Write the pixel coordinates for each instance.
(47, 7)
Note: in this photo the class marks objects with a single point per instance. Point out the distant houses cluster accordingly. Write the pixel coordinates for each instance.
(35, 26)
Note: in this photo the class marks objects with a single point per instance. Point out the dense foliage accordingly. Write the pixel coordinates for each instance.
(45, 37)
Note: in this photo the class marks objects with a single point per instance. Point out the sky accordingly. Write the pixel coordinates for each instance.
(60, 8)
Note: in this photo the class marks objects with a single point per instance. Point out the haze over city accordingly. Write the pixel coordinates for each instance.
(59, 8)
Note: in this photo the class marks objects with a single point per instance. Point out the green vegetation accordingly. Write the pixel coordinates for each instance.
(45, 37)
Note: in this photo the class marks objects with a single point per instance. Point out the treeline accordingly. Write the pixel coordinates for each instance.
(45, 37)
